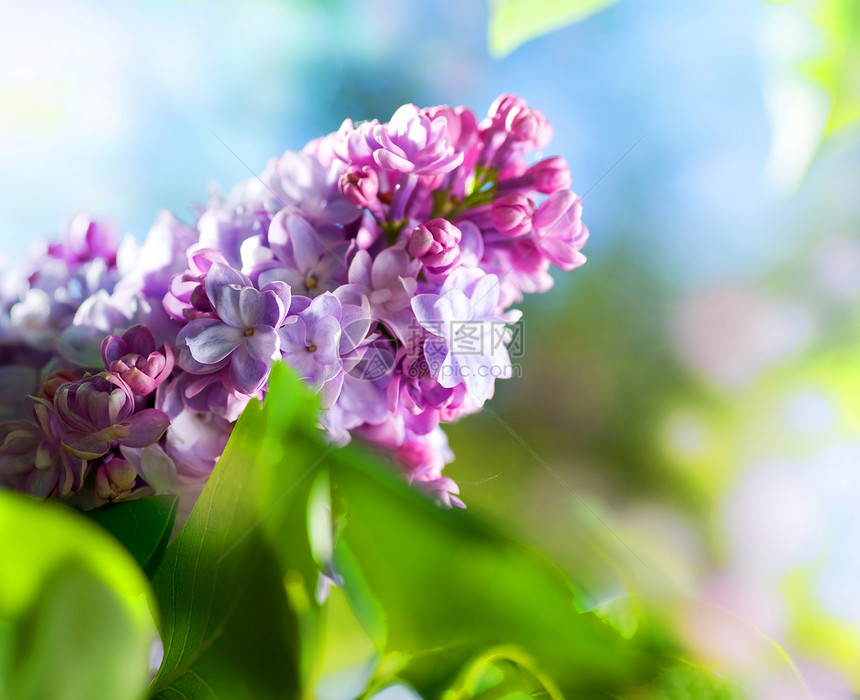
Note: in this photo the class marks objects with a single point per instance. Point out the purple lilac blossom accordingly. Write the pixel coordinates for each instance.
(242, 333)
(380, 262)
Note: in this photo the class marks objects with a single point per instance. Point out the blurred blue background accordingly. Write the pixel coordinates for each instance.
(696, 383)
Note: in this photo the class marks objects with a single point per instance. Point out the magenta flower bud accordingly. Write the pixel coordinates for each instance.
(98, 412)
(437, 245)
(528, 125)
(511, 214)
(134, 358)
(359, 185)
(550, 175)
(115, 479)
(503, 105)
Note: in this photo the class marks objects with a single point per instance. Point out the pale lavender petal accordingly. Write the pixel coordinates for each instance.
(272, 311)
(286, 275)
(227, 304)
(264, 344)
(278, 236)
(220, 275)
(355, 323)
(426, 311)
(360, 270)
(485, 298)
(351, 293)
(246, 373)
(324, 305)
(305, 243)
(330, 391)
(214, 343)
(325, 336)
(250, 309)
(471, 244)
(293, 335)
(283, 292)
(389, 266)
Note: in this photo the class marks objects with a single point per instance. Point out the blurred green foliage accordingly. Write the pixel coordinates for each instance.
(450, 604)
(74, 619)
(514, 22)
(836, 65)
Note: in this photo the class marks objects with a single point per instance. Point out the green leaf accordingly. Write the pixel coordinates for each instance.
(837, 67)
(440, 586)
(514, 22)
(74, 618)
(237, 586)
(142, 526)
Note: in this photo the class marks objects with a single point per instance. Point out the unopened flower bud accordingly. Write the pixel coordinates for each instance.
(548, 176)
(115, 479)
(359, 185)
(511, 214)
(437, 245)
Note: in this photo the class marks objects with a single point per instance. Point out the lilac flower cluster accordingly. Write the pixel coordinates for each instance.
(379, 263)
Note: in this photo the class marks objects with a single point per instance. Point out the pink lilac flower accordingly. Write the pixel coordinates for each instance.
(414, 143)
(379, 262)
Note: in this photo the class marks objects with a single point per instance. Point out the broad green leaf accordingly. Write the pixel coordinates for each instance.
(237, 586)
(142, 526)
(514, 22)
(74, 618)
(441, 586)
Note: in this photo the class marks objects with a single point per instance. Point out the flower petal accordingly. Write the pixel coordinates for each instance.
(145, 428)
(264, 345)
(214, 343)
(85, 445)
(220, 275)
(246, 373)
